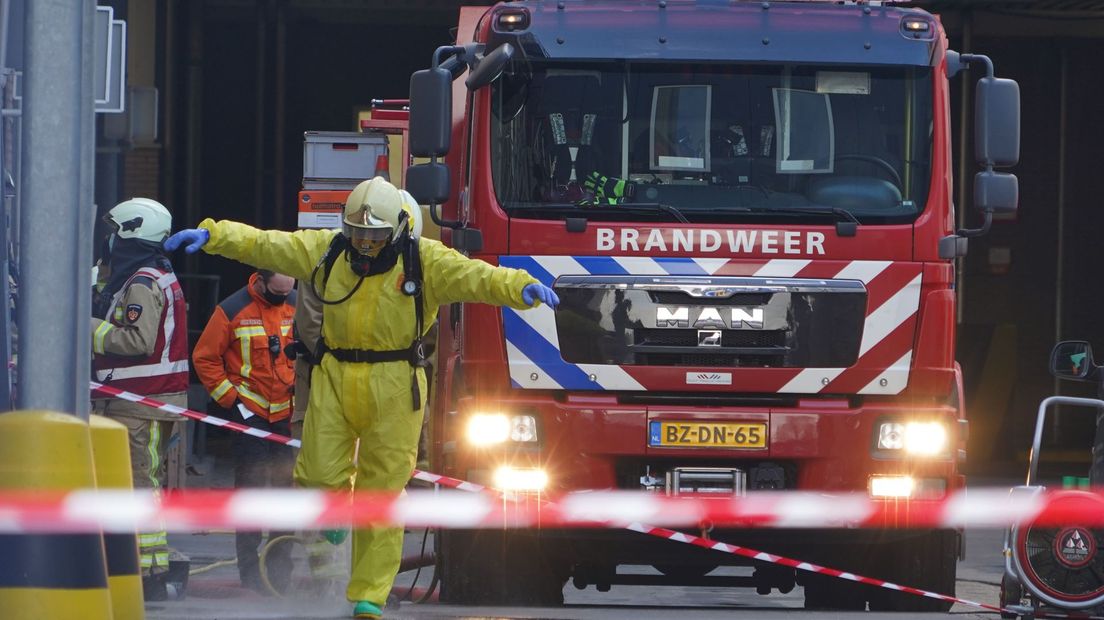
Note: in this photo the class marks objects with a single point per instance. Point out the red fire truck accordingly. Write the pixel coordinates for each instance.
(746, 210)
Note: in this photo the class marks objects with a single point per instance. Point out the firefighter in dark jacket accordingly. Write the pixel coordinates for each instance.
(140, 344)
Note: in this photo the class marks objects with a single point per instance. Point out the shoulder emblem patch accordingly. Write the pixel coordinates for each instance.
(133, 311)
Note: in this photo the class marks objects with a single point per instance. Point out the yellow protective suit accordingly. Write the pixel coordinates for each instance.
(369, 402)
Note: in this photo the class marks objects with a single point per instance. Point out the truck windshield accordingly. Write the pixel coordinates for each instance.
(714, 142)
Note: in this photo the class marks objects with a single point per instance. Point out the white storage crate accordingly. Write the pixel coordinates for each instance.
(340, 157)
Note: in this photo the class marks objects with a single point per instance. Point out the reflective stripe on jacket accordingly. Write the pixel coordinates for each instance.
(233, 358)
(165, 368)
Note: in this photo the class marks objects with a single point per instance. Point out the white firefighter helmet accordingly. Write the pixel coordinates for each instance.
(415, 210)
(140, 218)
(371, 215)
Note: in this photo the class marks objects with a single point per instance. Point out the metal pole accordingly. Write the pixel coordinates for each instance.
(1060, 267)
(5, 290)
(86, 214)
(279, 199)
(259, 113)
(5, 230)
(1040, 417)
(5, 11)
(169, 189)
(193, 175)
(965, 124)
(55, 302)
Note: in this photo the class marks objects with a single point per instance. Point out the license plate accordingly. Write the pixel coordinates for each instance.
(707, 434)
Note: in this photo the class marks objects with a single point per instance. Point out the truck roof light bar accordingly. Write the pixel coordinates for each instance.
(914, 24)
(512, 20)
(915, 27)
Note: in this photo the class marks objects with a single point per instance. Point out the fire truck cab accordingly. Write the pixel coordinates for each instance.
(745, 208)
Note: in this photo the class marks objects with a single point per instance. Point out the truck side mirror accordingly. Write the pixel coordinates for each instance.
(488, 68)
(428, 183)
(996, 192)
(1073, 359)
(996, 144)
(997, 122)
(430, 113)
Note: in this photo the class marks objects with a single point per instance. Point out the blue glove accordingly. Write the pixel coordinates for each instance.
(533, 292)
(195, 238)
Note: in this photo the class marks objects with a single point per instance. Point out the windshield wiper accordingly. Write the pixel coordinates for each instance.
(846, 222)
(648, 205)
(638, 207)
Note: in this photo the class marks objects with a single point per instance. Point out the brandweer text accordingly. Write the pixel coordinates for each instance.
(708, 241)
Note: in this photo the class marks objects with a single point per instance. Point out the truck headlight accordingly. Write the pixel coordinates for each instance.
(508, 478)
(892, 486)
(486, 429)
(889, 486)
(915, 438)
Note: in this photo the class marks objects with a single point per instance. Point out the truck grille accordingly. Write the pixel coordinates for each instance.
(674, 321)
(689, 338)
(702, 359)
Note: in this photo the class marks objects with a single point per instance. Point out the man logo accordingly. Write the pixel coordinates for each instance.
(746, 317)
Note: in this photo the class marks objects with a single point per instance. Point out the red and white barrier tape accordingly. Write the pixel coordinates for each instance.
(89, 510)
(481, 506)
(106, 390)
(124, 511)
(698, 541)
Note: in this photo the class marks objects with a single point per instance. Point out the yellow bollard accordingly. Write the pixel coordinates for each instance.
(111, 455)
(49, 575)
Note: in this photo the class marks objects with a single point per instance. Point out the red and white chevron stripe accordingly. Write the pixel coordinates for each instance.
(885, 355)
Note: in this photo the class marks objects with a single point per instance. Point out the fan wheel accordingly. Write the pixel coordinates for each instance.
(1063, 565)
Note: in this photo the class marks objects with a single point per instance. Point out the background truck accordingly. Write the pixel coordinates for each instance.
(745, 209)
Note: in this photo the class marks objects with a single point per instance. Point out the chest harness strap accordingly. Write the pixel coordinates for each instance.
(411, 287)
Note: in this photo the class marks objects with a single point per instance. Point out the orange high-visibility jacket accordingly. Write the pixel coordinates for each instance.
(235, 357)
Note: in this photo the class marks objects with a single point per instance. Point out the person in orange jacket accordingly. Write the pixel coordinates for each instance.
(240, 359)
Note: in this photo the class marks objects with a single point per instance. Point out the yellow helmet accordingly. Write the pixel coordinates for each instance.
(372, 213)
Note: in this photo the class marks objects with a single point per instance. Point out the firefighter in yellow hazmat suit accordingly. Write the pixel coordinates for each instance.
(370, 384)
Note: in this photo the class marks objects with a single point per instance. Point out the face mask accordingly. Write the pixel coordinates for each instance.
(273, 298)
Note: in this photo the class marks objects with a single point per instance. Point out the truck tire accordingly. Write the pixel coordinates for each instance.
(928, 562)
(825, 592)
(494, 567)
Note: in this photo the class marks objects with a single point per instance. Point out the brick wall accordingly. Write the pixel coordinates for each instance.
(141, 173)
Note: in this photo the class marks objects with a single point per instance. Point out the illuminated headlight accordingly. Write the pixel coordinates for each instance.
(916, 438)
(884, 486)
(892, 486)
(485, 429)
(511, 479)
